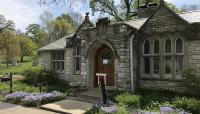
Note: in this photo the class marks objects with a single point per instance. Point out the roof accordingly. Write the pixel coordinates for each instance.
(59, 44)
(136, 23)
(191, 17)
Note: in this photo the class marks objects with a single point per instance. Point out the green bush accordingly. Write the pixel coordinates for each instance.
(152, 99)
(191, 79)
(35, 75)
(189, 104)
(122, 110)
(129, 100)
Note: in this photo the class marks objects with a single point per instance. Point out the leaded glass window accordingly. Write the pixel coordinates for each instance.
(168, 46)
(156, 47)
(146, 47)
(147, 65)
(77, 59)
(57, 58)
(179, 45)
(168, 64)
(106, 58)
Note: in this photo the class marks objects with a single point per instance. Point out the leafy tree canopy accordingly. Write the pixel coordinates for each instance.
(8, 45)
(119, 9)
(5, 24)
(26, 45)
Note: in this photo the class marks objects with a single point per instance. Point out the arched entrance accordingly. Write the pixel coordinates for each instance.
(104, 63)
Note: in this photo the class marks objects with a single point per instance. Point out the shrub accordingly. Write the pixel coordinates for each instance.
(42, 98)
(132, 101)
(122, 110)
(16, 97)
(35, 75)
(189, 104)
(191, 79)
(34, 99)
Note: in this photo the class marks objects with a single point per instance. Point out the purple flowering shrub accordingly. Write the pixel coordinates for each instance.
(42, 98)
(35, 99)
(16, 97)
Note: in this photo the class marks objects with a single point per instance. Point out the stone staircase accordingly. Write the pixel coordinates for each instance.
(90, 94)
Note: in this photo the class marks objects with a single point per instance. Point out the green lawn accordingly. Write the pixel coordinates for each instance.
(15, 69)
(20, 85)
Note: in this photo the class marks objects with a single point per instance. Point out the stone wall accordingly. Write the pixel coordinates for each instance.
(163, 85)
(119, 41)
(164, 24)
(45, 60)
(194, 55)
(163, 20)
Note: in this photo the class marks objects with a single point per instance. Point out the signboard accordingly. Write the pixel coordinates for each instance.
(5, 79)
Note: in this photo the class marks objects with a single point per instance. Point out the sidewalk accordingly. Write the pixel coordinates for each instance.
(67, 106)
(7, 108)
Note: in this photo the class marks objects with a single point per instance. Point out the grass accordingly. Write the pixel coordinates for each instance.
(16, 69)
(20, 85)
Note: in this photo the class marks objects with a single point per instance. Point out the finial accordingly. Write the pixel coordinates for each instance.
(87, 13)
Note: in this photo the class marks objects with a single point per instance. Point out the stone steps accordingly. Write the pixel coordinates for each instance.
(83, 99)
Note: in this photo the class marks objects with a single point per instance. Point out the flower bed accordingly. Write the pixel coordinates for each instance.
(34, 99)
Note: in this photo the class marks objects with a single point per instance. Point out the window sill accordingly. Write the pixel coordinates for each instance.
(76, 74)
(159, 79)
(60, 72)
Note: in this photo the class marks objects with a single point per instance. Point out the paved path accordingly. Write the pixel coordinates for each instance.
(7, 108)
(68, 106)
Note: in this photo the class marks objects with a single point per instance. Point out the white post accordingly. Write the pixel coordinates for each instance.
(101, 75)
(98, 81)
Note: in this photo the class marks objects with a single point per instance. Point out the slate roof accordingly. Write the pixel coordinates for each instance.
(191, 17)
(136, 23)
(56, 45)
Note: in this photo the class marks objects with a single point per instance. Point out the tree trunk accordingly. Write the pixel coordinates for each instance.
(7, 57)
(22, 59)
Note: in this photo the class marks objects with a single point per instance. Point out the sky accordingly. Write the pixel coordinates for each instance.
(25, 12)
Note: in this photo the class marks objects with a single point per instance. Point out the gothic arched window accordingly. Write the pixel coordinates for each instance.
(146, 47)
(179, 55)
(168, 46)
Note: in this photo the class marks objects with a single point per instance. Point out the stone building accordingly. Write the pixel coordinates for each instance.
(148, 52)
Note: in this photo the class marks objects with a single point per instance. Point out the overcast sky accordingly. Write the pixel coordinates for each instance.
(25, 12)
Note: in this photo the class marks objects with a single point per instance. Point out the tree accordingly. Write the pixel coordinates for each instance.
(45, 17)
(26, 46)
(120, 10)
(190, 7)
(33, 32)
(57, 28)
(5, 24)
(8, 45)
(73, 18)
(124, 10)
(76, 17)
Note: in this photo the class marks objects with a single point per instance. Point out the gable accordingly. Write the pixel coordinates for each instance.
(164, 19)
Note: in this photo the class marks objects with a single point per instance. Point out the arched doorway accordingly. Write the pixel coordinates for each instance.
(104, 63)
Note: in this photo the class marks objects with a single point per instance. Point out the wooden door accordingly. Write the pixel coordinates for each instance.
(105, 64)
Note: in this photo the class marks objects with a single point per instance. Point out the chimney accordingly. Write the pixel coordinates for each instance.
(103, 21)
(146, 10)
(101, 24)
(87, 16)
(162, 2)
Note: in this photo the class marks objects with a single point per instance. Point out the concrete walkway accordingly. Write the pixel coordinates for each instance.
(7, 108)
(68, 106)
